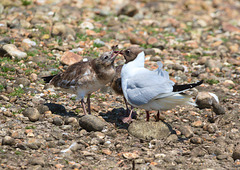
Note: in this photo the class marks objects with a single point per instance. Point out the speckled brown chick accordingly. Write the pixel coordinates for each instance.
(83, 78)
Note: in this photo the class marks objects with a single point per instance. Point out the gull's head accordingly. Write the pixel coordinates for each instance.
(107, 58)
(131, 53)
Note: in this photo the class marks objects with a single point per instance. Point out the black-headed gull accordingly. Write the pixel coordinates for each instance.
(129, 54)
(152, 90)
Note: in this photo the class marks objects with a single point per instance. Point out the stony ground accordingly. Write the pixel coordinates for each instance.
(44, 128)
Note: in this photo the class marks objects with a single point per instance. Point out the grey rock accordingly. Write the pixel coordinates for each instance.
(37, 161)
(42, 108)
(176, 67)
(129, 10)
(98, 41)
(3, 82)
(24, 81)
(33, 143)
(211, 128)
(149, 130)
(8, 140)
(210, 63)
(59, 29)
(71, 121)
(149, 51)
(221, 157)
(57, 121)
(204, 100)
(198, 152)
(91, 123)
(32, 113)
(218, 109)
(180, 160)
(14, 52)
(196, 140)
(236, 152)
(5, 98)
(186, 131)
(172, 138)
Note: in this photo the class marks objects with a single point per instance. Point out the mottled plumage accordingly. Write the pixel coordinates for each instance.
(83, 78)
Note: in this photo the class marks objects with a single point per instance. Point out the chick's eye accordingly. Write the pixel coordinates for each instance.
(128, 51)
(106, 57)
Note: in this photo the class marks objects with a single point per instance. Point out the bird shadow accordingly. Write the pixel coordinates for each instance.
(114, 117)
(60, 110)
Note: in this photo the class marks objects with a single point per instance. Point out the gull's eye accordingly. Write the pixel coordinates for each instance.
(105, 57)
(128, 52)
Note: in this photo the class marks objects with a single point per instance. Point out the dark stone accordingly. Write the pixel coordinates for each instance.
(129, 10)
(91, 123)
(196, 140)
(7, 140)
(236, 152)
(32, 113)
(57, 121)
(186, 131)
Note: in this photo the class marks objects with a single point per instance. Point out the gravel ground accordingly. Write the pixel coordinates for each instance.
(45, 128)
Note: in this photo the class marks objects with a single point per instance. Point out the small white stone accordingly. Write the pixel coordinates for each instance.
(87, 25)
(29, 42)
(14, 52)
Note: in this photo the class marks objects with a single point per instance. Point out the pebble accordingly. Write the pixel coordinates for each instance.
(87, 25)
(2, 97)
(57, 121)
(204, 100)
(213, 64)
(24, 81)
(33, 77)
(37, 161)
(70, 58)
(196, 140)
(149, 130)
(32, 113)
(98, 41)
(210, 128)
(129, 10)
(236, 152)
(186, 131)
(92, 123)
(59, 29)
(8, 140)
(197, 123)
(228, 83)
(197, 152)
(136, 39)
(14, 52)
(218, 109)
(221, 157)
(29, 42)
(130, 155)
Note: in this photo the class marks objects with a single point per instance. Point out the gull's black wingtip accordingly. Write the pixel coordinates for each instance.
(47, 79)
(200, 82)
(177, 88)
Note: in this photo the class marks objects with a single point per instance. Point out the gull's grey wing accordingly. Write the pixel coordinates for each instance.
(160, 71)
(145, 86)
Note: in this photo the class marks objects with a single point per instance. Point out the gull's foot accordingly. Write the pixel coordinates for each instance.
(126, 119)
(129, 118)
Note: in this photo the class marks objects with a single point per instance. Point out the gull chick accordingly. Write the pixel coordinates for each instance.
(83, 78)
(152, 90)
(129, 54)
